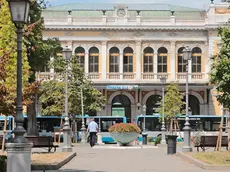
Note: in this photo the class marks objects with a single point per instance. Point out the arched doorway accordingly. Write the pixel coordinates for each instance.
(151, 104)
(121, 106)
(194, 105)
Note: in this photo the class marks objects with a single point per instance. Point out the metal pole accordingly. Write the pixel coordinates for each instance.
(19, 130)
(187, 129)
(163, 141)
(66, 129)
(99, 130)
(83, 129)
(144, 121)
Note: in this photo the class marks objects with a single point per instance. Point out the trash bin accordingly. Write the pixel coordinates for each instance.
(172, 139)
(144, 138)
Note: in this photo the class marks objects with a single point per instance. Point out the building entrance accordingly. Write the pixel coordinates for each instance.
(121, 106)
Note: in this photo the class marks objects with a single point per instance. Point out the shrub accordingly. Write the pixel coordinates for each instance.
(124, 127)
(3, 164)
(150, 139)
(158, 140)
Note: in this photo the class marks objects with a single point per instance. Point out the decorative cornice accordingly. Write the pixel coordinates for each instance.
(159, 28)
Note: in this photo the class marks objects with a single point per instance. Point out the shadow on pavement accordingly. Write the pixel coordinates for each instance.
(71, 170)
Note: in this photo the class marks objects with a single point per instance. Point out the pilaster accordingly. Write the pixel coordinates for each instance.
(104, 59)
(138, 60)
(173, 60)
(86, 63)
(121, 65)
(155, 65)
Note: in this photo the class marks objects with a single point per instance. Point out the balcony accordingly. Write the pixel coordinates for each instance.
(127, 21)
(124, 76)
(131, 77)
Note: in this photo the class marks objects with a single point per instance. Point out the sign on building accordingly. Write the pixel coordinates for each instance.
(122, 87)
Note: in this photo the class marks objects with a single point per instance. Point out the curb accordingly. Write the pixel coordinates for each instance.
(202, 164)
(53, 166)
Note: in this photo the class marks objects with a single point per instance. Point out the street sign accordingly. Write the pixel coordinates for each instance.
(122, 87)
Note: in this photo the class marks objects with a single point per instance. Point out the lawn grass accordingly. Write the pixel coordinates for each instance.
(214, 158)
(44, 158)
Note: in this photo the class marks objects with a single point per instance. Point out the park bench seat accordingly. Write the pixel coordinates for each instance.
(42, 141)
(210, 141)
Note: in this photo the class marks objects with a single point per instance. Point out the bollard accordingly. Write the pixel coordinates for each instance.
(171, 148)
(144, 138)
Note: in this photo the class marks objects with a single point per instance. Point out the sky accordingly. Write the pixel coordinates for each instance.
(201, 4)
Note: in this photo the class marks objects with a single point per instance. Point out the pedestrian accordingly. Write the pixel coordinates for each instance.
(92, 130)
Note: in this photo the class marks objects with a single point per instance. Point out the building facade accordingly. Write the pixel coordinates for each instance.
(126, 48)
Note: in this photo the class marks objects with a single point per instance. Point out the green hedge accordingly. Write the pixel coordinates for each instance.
(3, 163)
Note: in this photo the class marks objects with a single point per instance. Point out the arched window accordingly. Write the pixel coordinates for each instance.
(93, 60)
(180, 61)
(128, 60)
(196, 60)
(80, 56)
(148, 60)
(162, 60)
(114, 59)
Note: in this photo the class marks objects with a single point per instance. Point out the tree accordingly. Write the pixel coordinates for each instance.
(8, 59)
(220, 70)
(39, 52)
(173, 102)
(52, 92)
(52, 97)
(39, 49)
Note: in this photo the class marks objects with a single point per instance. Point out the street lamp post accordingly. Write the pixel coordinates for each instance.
(163, 141)
(19, 150)
(99, 138)
(144, 134)
(83, 129)
(144, 111)
(66, 53)
(187, 53)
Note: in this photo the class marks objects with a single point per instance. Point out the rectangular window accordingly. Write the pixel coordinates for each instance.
(148, 63)
(114, 63)
(162, 64)
(196, 63)
(81, 61)
(181, 64)
(93, 63)
(128, 63)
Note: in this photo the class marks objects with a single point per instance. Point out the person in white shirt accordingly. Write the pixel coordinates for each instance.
(92, 129)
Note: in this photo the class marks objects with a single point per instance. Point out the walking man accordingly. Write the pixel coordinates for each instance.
(92, 129)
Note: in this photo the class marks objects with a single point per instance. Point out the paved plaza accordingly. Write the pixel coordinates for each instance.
(108, 158)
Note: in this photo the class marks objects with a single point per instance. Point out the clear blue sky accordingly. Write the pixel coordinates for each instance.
(187, 3)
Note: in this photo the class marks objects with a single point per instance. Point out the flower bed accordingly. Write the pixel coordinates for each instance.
(124, 133)
(124, 127)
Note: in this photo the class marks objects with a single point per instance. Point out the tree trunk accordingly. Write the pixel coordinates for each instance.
(32, 119)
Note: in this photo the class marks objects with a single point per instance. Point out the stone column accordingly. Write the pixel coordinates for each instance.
(109, 110)
(155, 65)
(172, 60)
(189, 70)
(19, 157)
(138, 60)
(51, 69)
(86, 63)
(133, 112)
(104, 59)
(121, 66)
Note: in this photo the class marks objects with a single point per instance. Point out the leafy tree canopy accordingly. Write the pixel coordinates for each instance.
(8, 62)
(52, 92)
(220, 71)
(173, 102)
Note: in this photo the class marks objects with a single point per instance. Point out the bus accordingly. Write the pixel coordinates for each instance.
(207, 124)
(9, 126)
(50, 125)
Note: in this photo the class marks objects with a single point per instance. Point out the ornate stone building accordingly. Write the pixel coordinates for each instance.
(126, 48)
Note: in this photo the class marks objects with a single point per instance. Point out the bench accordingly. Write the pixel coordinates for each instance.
(42, 141)
(210, 141)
